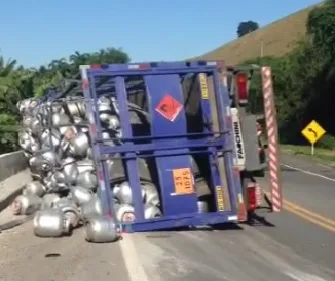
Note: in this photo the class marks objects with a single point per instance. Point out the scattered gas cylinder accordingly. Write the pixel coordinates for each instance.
(34, 188)
(92, 208)
(101, 230)
(63, 195)
(125, 213)
(203, 207)
(87, 179)
(151, 212)
(26, 204)
(81, 195)
(51, 223)
(124, 193)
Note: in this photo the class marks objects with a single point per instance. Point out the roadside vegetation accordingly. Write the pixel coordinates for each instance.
(18, 82)
(321, 155)
(304, 81)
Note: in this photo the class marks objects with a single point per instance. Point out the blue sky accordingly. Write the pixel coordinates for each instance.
(37, 31)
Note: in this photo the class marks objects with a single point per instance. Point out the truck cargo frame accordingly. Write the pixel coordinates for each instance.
(170, 144)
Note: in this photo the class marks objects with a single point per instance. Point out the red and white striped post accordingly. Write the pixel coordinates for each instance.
(272, 134)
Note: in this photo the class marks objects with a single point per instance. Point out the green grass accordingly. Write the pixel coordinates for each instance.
(321, 155)
(277, 39)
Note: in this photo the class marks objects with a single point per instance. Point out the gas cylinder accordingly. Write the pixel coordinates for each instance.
(51, 223)
(101, 230)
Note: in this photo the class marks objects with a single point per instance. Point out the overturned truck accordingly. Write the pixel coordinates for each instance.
(171, 144)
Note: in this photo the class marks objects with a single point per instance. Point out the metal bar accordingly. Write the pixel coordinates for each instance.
(153, 72)
(224, 123)
(102, 172)
(145, 66)
(165, 92)
(205, 134)
(131, 164)
(129, 147)
(217, 185)
(169, 153)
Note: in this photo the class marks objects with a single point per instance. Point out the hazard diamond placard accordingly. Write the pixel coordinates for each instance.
(169, 107)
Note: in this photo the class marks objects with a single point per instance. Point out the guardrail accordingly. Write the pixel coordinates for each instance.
(12, 163)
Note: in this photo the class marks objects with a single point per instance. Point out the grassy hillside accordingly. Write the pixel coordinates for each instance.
(278, 38)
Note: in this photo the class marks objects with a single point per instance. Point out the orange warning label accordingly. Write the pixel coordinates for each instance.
(183, 181)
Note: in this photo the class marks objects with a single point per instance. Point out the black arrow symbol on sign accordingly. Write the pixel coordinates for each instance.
(163, 107)
(312, 131)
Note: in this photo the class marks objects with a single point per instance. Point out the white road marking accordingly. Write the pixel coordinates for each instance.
(131, 259)
(302, 276)
(308, 172)
(135, 268)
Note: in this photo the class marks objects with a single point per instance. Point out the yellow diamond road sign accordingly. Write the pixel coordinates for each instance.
(313, 132)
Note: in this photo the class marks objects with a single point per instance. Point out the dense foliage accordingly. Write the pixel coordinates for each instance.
(246, 27)
(17, 83)
(304, 80)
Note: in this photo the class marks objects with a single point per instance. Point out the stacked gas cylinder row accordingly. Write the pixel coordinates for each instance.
(62, 195)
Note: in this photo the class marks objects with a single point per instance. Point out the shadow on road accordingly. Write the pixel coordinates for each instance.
(227, 226)
(14, 223)
(258, 220)
(165, 233)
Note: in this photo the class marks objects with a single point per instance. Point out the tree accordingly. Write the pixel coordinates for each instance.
(246, 27)
(304, 79)
(17, 83)
(108, 55)
(321, 27)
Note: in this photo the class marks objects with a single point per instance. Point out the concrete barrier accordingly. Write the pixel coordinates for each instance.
(12, 187)
(12, 163)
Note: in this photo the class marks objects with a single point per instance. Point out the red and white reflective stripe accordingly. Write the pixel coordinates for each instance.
(258, 191)
(272, 134)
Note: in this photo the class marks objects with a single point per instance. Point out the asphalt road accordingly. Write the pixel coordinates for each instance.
(312, 186)
(279, 247)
